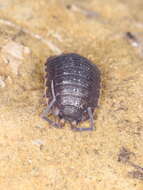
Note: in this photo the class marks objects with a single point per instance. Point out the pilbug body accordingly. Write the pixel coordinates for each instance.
(72, 88)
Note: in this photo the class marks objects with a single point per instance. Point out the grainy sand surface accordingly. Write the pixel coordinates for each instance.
(35, 156)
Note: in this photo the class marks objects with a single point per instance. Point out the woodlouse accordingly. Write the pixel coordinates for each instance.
(72, 87)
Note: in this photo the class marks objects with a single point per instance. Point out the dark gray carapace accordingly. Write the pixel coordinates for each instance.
(72, 85)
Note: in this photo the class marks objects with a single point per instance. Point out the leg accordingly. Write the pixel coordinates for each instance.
(91, 128)
(47, 110)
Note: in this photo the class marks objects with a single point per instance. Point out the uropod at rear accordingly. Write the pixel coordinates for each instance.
(72, 87)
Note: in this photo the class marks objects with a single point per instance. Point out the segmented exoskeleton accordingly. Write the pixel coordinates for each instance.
(72, 87)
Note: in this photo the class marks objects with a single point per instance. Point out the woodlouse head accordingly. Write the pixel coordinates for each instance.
(70, 113)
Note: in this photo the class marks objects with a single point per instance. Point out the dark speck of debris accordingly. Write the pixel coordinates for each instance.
(132, 39)
(136, 174)
(136, 166)
(68, 6)
(82, 10)
(124, 155)
(130, 35)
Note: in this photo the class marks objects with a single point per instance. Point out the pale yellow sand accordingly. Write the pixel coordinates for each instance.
(35, 156)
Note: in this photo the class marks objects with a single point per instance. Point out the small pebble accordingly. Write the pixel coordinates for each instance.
(38, 142)
(2, 83)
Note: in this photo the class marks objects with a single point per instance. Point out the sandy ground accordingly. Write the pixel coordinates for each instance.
(35, 156)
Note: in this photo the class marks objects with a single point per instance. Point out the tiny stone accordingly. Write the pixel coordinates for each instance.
(2, 83)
